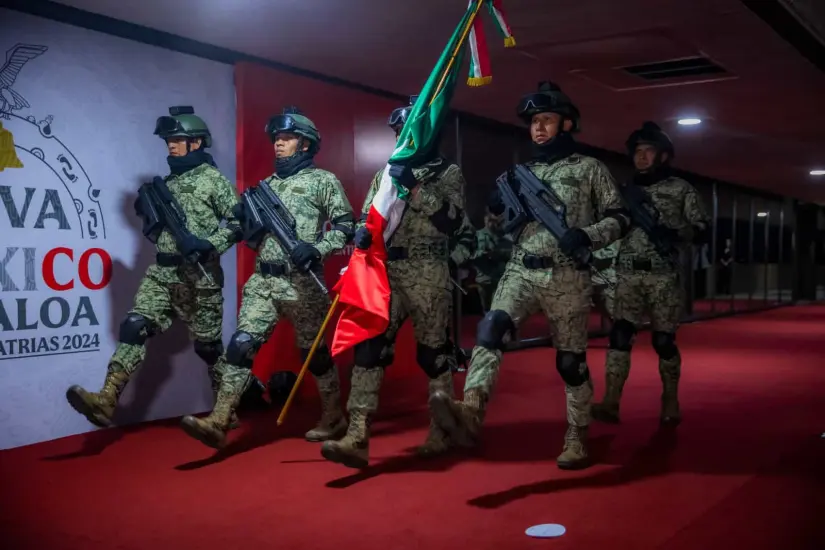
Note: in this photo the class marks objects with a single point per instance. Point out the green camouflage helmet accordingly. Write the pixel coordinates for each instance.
(182, 122)
(549, 99)
(291, 120)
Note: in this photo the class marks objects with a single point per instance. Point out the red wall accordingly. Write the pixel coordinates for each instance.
(355, 143)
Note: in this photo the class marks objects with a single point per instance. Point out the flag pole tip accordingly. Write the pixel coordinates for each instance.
(509, 42)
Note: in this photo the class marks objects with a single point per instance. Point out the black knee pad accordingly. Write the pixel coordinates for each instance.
(433, 361)
(280, 386)
(371, 353)
(209, 351)
(492, 329)
(665, 345)
(135, 329)
(569, 364)
(321, 361)
(621, 335)
(241, 350)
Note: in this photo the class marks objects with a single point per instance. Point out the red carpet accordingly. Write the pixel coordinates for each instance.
(743, 470)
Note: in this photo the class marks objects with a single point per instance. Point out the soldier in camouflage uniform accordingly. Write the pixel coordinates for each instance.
(419, 275)
(647, 282)
(173, 287)
(281, 287)
(492, 252)
(596, 218)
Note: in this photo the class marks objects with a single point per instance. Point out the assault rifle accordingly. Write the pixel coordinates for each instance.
(265, 213)
(645, 215)
(160, 210)
(527, 198)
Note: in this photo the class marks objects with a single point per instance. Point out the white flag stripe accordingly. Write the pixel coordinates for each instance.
(387, 204)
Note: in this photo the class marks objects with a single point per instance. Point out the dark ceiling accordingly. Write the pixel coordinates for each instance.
(760, 100)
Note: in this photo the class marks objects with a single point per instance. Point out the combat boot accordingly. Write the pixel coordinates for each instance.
(670, 372)
(333, 424)
(574, 455)
(215, 378)
(461, 420)
(438, 441)
(211, 431)
(578, 398)
(616, 373)
(234, 421)
(99, 407)
(354, 448)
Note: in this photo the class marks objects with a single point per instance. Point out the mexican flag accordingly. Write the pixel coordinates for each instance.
(364, 288)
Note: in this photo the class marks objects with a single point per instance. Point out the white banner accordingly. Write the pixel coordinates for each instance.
(78, 110)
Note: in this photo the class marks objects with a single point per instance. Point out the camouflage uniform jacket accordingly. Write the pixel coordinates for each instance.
(439, 188)
(313, 196)
(680, 208)
(207, 198)
(593, 203)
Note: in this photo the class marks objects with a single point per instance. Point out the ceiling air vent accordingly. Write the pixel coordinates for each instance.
(677, 68)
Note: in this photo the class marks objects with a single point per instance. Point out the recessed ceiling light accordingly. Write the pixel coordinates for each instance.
(761, 214)
(690, 121)
(818, 172)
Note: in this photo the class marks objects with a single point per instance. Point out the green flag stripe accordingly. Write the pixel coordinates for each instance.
(427, 116)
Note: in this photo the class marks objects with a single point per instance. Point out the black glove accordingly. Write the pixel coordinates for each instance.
(138, 210)
(574, 241)
(196, 249)
(363, 238)
(305, 257)
(403, 175)
(665, 234)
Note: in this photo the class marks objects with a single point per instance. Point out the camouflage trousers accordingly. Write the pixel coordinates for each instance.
(420, 290)
(662, 297)
(564, 297)
(604, 297)
(264, 302)
(160, 303)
